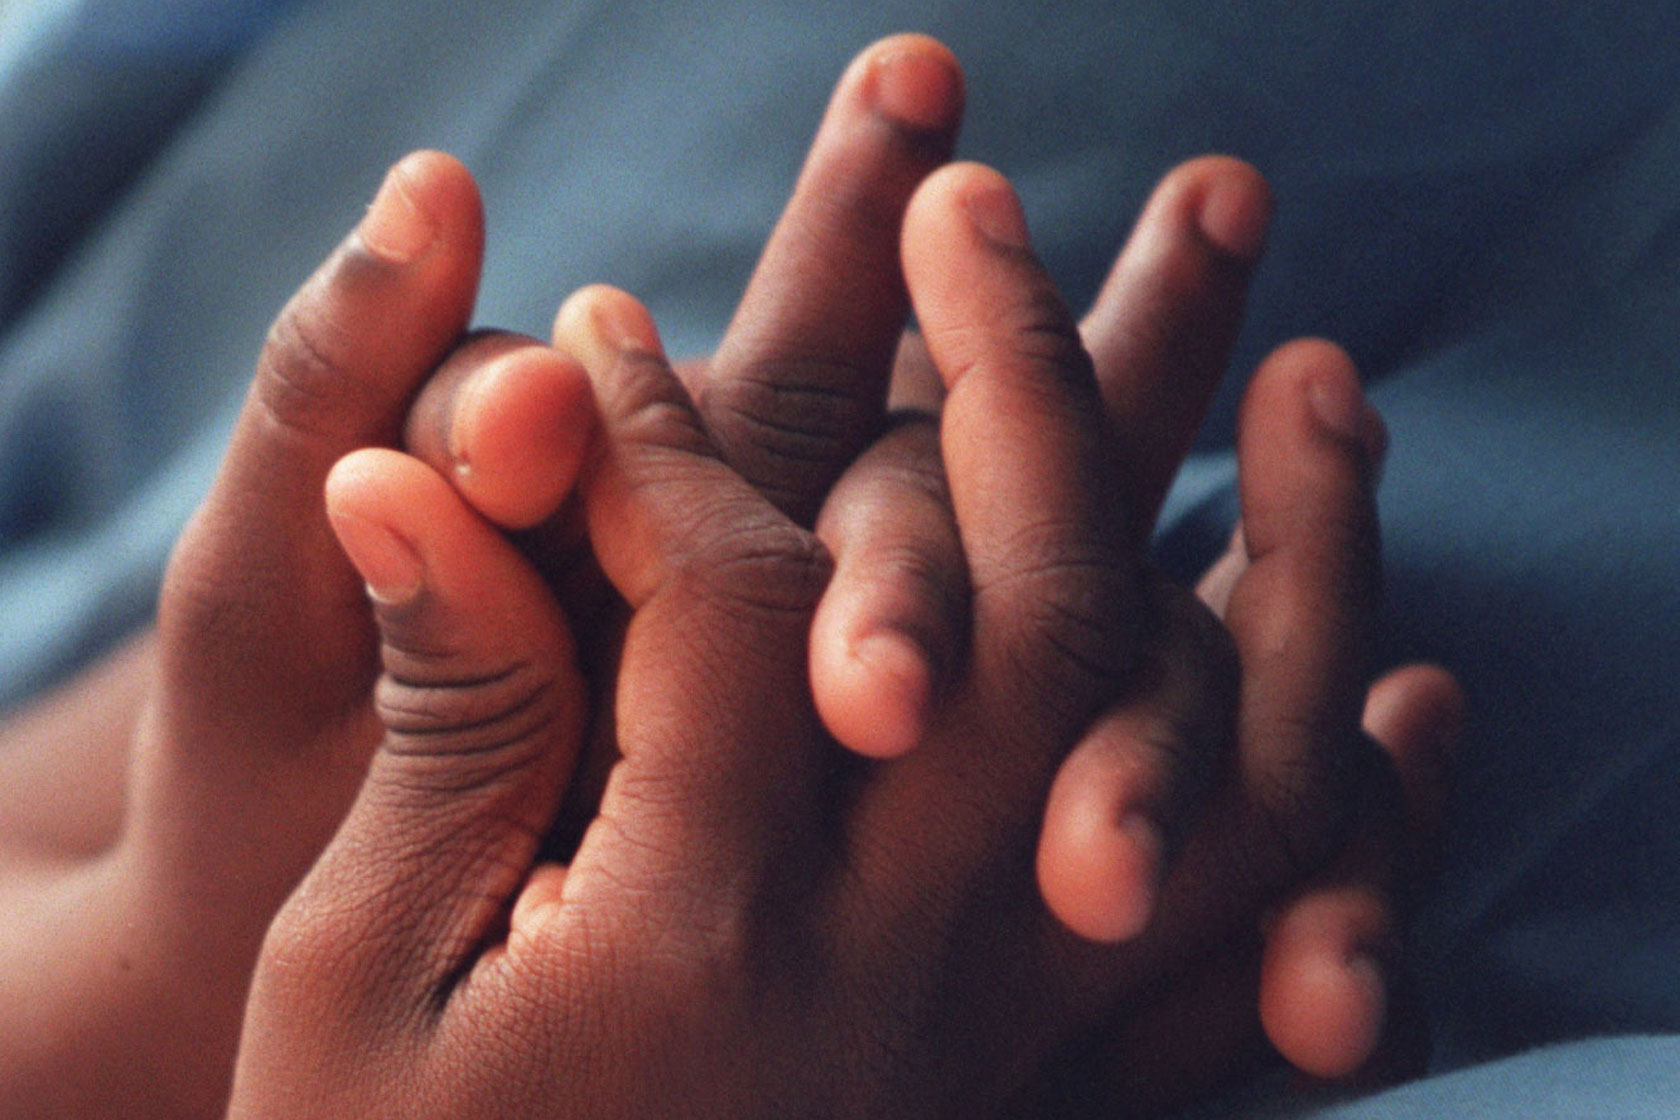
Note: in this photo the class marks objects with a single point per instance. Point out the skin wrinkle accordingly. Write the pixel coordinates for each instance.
(303, 369)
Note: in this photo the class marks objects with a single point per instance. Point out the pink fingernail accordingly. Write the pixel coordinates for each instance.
(1230, 218)
(388, 564)
(1339, 405)
(916, 88)
(996, 213)
(395, 227)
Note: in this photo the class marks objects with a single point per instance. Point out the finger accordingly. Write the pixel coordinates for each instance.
(1330, 996)
(1214, 588)
(1054, 595)
(797, 387)
(1161, 329)
(1331, 963)
(1216, 583)
(483, 713)
(257, 580)
(891, 629)
(1323, 986)
(506, 419)
(1300, 612)
(715, 725)
(1026, 454)
(1123, 798)
(1417, 713)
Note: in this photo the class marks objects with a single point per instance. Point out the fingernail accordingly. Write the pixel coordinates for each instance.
(918, 89)
(996, 213)
(598, 323)
(1132, 915)
(902, 665)
(1339, 405)
(1233, 219)
(387, 563)
(395, 227)
(465, 421)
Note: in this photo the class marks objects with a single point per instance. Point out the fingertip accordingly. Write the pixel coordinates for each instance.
(1323, 988)
(1417, 713)
(1304, 453)
(1324, 375)
(913, 80)
(599, 321)
(873, 693)
(970, 189)
(426, 196)
(1101, 855)
(1100, 877)
(1420, 704)
(518, 435)
(993, 208)
(1227, 201)
(363, 493)
(1236, 211)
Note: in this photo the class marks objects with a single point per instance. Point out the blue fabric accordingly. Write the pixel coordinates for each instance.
(1479, 200)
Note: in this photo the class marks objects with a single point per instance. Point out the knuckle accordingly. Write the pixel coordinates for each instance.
(649, 407)
(773, 567)
(908, 459)
(306, 369)
(1193, 644)
(1034, 331)
(919, 572)
(463, 733)
(790, 423)
(1067, 600)
(316, 945)
(1307, 798)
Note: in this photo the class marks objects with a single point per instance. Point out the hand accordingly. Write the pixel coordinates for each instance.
(226, 747)
(130, 946)
(731, 844)
(737, 933)
(1160, 334)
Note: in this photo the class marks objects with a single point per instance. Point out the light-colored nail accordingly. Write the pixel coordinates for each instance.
(388, 564)
(395, 227)
(1232, 220)
(1339, 405)
(918, 89)
(996, 213)
(597, 324)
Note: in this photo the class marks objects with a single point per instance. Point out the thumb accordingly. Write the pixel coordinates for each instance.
(483, 708)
